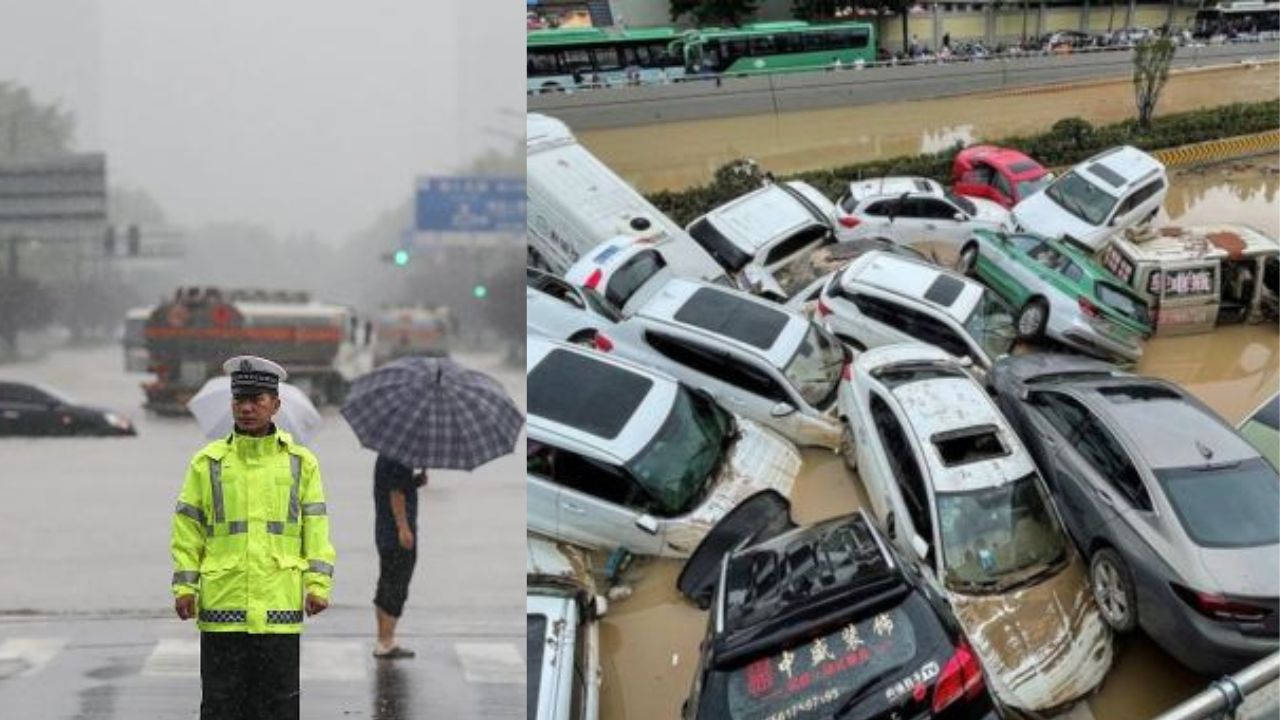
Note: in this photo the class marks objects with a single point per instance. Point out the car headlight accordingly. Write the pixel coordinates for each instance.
(117, 421)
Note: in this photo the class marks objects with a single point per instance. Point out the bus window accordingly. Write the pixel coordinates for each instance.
(788, 43)
(762, 45)
(606, 58)
(734, 49)
(861, 38)
(575, 59)
(815, 41)
(543, 62)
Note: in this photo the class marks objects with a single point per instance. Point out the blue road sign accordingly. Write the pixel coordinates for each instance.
(470, 204)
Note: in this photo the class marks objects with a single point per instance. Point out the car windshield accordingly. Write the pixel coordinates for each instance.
(1027, 188)
(1236, 505)
(680, 463)
(962, 202)
(729, 256)
(631, 276)
(998, 537)
(991, 325)
(1125, 303)
(1082, 198)
(814, 370)
(813, 679)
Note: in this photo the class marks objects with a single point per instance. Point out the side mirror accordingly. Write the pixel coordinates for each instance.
(920, 546)
(647, 523)
(959, 217)
(782, 410)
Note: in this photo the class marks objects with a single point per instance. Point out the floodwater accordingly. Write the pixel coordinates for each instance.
(671, 156)
(650, 640)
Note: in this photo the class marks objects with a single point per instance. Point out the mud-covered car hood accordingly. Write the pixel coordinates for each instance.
(1043, 645)
(761, 460)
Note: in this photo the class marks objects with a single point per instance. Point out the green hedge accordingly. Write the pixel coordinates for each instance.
(1068, 142)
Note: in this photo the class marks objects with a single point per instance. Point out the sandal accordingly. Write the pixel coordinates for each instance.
(393, 653)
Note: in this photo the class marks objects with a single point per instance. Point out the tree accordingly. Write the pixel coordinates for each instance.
(29, 128)
(1151, 61)
(714, 12)
(813, 10)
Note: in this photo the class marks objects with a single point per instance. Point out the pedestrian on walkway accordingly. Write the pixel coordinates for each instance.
(395, 504)
(250, 540)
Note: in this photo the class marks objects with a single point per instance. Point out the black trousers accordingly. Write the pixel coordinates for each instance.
(249, 677)
(395, 570)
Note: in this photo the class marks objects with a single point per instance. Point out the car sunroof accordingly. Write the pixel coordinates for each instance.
(742, 320)
(944, 290)
(1107, 174)
(585, 394)
(969, 445)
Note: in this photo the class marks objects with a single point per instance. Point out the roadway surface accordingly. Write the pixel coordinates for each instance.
(86, 623)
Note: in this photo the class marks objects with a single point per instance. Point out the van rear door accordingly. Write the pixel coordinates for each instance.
(1186, 295)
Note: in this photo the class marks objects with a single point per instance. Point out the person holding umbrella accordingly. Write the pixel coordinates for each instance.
(250, 540)
(421, 412)
(395, 502)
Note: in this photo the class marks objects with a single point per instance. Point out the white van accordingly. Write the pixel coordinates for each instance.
(576, 203)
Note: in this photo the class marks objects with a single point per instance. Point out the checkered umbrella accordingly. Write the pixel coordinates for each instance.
(433, 413)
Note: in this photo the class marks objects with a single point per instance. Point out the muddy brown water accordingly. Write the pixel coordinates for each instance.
(671, 156)
(650, 640)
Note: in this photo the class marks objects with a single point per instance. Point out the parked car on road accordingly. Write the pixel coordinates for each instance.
(622, 456)
(763, 234)
(755, 358)
(1060, 292)
(1111, 191)
(882, 299)
(914, 211)
(33, 409)
(954, 488)
(1196, 278)
(1262, 430)
(1001, 175)
(828, 622)
(1180, 517)
(561, 616)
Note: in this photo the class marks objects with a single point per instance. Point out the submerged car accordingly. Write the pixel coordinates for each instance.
(882, 299)
(622, 456)
(828, 622)
(1060, 292)
(1179, 515)
(1002, 175)
(755, 358)
(33, 410)
(954, 488)
(914, 211)
(1262, 430)
(562, 629)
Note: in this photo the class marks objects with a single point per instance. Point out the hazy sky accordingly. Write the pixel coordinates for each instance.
(309, 116)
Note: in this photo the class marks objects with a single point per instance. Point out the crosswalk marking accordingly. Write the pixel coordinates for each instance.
(490, 663)
(334, 660)
(173, 657)
(20, 657)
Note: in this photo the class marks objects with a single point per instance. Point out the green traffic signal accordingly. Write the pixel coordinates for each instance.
(402, 257)
(479, 291)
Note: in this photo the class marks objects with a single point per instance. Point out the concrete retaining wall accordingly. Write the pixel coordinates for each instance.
(623, 107)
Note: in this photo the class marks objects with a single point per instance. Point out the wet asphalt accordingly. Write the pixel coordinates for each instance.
(86, 623)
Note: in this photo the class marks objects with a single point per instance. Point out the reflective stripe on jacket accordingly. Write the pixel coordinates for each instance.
(251, 534)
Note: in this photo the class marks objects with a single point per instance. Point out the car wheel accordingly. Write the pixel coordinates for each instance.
(1113, 590)
(848, 447)
(1032, 318)
(967, 263)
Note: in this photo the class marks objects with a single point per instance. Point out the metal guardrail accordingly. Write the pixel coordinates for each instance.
(1232, 694)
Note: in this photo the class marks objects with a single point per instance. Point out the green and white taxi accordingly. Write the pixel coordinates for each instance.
(1061, 293)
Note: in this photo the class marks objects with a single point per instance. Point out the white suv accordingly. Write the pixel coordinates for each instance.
(762, 234)
(882, 299)
(914, 211)
(622, 456)
(756, 358)
(1111, 191)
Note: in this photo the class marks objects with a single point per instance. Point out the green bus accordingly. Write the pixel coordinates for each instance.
(776, 47)
(566, 58)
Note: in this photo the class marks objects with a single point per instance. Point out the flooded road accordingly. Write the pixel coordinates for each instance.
(650, 640)
(671, 156)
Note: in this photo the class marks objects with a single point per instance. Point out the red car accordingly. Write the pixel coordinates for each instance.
(998, 174)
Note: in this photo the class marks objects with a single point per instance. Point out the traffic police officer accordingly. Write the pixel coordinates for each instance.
(250, 540)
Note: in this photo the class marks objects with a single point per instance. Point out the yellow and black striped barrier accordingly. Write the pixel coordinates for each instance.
(1223, 149)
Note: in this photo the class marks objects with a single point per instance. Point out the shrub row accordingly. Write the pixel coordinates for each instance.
(1068, 142)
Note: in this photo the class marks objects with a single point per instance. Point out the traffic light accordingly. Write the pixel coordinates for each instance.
(401, 258)
(480, 291)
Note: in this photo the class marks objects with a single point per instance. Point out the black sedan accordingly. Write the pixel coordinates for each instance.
(34, 410)
(827, 622)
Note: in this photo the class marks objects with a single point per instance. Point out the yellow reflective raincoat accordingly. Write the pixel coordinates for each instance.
(251, 534)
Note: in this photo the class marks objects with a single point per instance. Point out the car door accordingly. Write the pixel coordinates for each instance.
(714, 370)
(876, 217)
(943, 222)
(908, 226)
(600, 505)
(542, 494)
(897, 494)
(875, 323)
(25, 410)
(1001, 189)
(975, 182)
